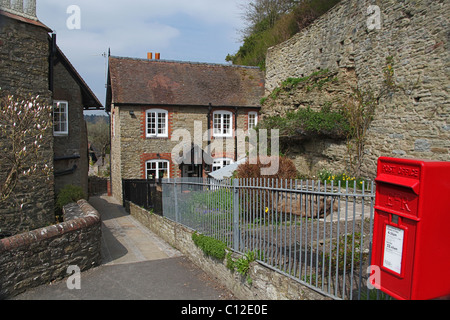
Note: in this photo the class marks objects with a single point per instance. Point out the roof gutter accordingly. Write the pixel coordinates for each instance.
(138, 104)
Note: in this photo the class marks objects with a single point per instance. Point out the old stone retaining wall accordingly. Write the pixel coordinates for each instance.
(266, 283)
(40, 256)
(411, 118)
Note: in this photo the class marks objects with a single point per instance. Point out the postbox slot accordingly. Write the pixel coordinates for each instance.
(412, 184)
(394, 219)
(397, 200)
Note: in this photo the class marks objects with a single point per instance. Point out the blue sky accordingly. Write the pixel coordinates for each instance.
(187, 30)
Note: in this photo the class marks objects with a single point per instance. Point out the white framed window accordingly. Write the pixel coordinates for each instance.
(155, 169)
(157, 123)
(252, 119)
(222, 124)
(60, 118)
(220, 163)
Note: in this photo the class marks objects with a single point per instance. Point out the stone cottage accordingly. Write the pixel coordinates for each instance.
(157, 105)
(71, 96)
(31, 63)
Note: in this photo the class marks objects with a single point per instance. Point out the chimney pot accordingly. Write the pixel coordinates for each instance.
(157, 56)
(149, 55)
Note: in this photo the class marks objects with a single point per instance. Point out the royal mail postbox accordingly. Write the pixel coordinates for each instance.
(411, 241)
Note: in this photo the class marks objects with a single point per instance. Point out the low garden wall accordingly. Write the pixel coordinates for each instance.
(40, 256)
(260, 283)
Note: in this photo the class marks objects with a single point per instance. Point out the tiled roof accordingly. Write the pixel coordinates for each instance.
(162, 82)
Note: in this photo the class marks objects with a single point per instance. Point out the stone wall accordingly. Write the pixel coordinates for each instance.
(75, 143)
(266, 284)
(24, 67)
(411, 118)
(116, 155)
(38, 257)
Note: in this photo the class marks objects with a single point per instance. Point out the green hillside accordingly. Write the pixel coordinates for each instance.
(266, 33)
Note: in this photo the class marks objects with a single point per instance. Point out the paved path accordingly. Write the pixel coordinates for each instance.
(137, 265)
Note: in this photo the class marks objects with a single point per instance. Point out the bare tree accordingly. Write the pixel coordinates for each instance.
(267, 12)
(98, 134)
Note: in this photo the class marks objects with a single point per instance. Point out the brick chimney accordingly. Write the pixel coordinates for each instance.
(150, 56)
(23, 8)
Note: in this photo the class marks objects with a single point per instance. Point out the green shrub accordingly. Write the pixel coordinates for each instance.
(266, 34)
(242, 265)
(68, 195)
(306, 123)
(210, 246)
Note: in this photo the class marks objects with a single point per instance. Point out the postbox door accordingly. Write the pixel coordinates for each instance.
(396, 221)
(394, 253)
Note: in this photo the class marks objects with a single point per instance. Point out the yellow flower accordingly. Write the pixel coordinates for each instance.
(267, 209)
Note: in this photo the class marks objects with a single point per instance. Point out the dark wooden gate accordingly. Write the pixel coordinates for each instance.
(143, 193)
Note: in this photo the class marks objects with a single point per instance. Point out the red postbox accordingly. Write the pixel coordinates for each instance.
(411, 241)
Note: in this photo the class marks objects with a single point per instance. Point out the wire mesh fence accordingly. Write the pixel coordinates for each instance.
(318, 233)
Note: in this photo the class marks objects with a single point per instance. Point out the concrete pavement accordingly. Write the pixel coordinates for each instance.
(137, 265)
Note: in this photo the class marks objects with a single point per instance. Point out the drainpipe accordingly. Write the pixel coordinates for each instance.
(209, 129)
(51, 61)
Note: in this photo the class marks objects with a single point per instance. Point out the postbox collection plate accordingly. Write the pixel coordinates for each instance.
(393, 249)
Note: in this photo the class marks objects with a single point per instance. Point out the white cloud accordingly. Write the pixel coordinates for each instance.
(199, 30)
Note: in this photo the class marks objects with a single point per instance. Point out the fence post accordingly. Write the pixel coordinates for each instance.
(236, 231)
(175, 198)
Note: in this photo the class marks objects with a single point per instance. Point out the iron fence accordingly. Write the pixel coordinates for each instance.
(318, 233)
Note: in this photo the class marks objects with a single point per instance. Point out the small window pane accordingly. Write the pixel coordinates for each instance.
(252, 120)
(157, 123)
(222, 123)
(157, 169)
(60, 118)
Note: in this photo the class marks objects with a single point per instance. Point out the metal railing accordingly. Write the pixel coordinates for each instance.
(318, 233)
